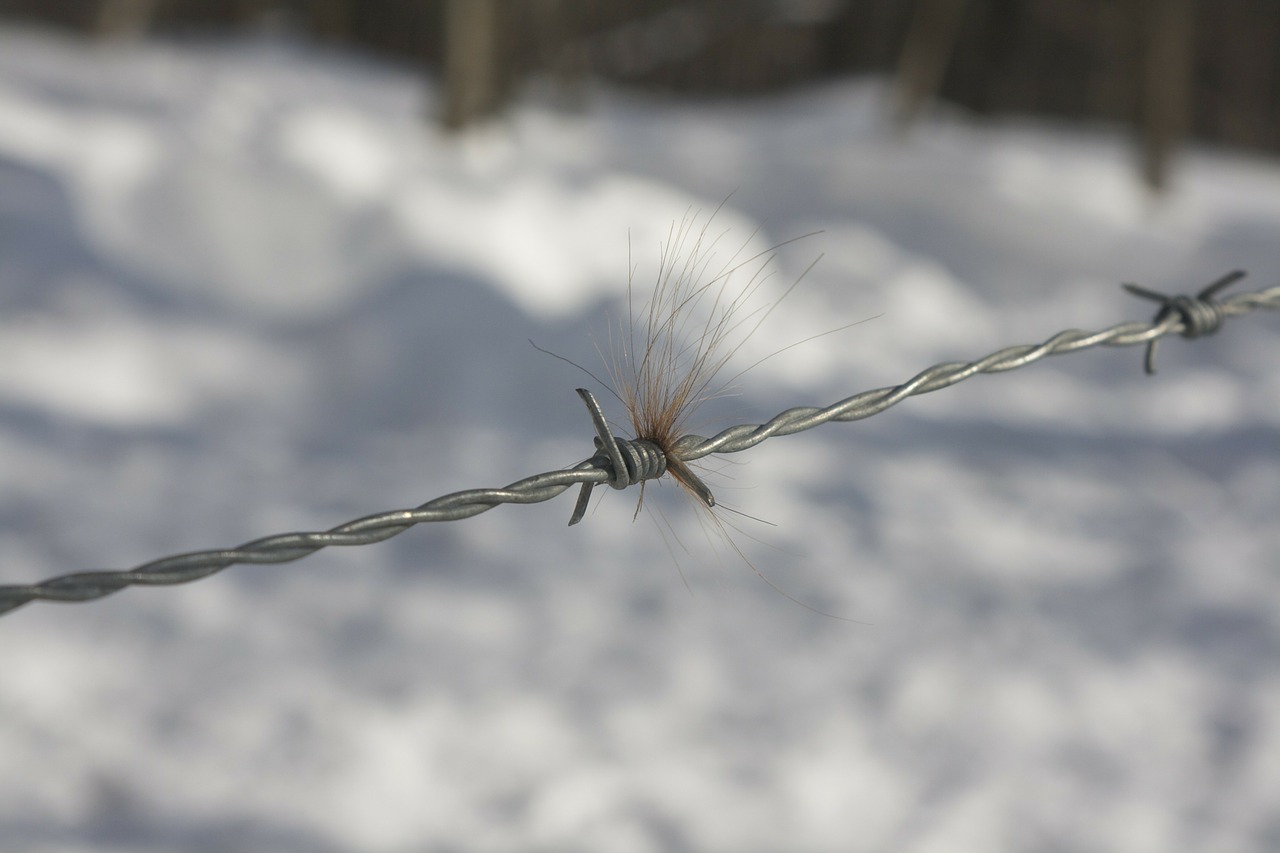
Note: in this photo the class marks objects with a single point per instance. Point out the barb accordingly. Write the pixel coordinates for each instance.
(1200, 315)
(628, 461)
(620, 462)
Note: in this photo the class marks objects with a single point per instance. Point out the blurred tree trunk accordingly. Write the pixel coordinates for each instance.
(935, 29)
(125, 18)
(1166, 54)
(331, 19)
(253, 10)
(470, 61)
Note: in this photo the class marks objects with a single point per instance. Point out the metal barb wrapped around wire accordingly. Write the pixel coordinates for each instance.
(1200, 314)
(622, 462)
(628, 461)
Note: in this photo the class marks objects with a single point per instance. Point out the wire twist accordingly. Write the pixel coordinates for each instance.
(623, 462)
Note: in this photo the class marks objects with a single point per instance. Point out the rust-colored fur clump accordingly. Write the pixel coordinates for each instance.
(669, 358)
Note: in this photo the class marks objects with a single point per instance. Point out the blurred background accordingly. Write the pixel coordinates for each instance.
(1169, 69)
(271, 266)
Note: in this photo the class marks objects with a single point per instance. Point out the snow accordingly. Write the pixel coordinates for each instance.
(245, 287)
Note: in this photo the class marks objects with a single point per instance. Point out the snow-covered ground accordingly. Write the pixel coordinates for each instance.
(247, 288)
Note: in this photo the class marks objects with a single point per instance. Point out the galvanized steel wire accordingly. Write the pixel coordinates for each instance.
(1188, 316)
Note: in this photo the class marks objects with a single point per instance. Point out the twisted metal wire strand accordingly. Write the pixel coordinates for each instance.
(1182, 315)
(1188, 316)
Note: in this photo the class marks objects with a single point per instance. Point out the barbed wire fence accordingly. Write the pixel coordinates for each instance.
(624, 462)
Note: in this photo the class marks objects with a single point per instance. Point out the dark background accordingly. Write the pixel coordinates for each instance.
(1169, 69)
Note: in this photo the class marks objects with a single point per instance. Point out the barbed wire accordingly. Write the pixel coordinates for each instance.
(623, 462)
